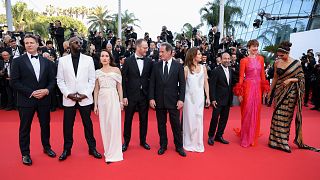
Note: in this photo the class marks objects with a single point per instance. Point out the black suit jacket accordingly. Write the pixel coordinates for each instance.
(220, 90)
(131, 79)
(167, 92)
(20, 48)
(24, 81)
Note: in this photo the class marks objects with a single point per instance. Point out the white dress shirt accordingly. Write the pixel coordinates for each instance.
(169, 65)
(226, 72)
(140, 63)
(36, 65)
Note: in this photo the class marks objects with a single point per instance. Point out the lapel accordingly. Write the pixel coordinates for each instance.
(144, 66)
(70, 65)
(161, 70)
(172, 67)
(224, 75)
(29, 66)
(135, 64)
(230, 76)
(42, 66)
(81, 63)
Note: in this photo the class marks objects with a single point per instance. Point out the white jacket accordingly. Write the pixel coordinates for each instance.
(84, 82)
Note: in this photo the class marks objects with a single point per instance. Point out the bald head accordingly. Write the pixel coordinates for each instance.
(225, 59)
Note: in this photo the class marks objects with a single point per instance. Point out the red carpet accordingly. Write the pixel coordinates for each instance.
(217, 162)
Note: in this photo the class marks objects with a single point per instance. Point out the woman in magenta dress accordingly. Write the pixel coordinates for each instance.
(252, 84)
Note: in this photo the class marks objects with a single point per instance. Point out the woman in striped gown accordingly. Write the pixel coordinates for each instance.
(288, 84)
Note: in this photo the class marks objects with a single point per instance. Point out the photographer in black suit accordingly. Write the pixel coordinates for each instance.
(136, 73)
(7, 102)
(58, 34)
(221, 98)
(166, 35)
(166, 94)
(307, 61)
(33, 78)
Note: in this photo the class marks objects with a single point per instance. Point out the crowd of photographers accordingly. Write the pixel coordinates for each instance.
(11, 46)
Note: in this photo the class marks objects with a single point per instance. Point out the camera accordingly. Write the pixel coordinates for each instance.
(304, 58)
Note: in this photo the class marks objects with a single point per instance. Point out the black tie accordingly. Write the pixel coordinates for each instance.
(36, 56)
(139, 58)
(166, 73)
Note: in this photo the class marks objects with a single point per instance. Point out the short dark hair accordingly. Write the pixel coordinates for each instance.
(167, 46)
(49, 42)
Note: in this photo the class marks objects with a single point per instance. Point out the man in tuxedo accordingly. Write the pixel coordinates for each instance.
(221, 98)
(76, 80)
(166, 94)
(14, 50)
(136, 73)
(33, 79)
(7, 102)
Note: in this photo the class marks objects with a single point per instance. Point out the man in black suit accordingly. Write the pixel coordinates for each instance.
(7, 100)
(33, 79)
(166, 94)
(14, 50)
(221, 98)
(136, 73)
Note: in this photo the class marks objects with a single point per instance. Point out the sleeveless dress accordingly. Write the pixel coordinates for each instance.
(110, 115)
(193, 112)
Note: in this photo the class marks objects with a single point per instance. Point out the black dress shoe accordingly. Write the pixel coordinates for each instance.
(314, 108)
(181, 152)
(64, 155)
(162, 150)
(95, 153)
(8, 109)
(220, 139)
(49, 152)
(124, 147)
(109, 162)
(26, 160)
(211, 141)
(145, 145)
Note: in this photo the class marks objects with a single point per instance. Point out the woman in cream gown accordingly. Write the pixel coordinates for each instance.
(196, 85)
(108, 105)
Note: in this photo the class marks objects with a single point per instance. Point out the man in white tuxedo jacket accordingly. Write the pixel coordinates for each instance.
(76, 80)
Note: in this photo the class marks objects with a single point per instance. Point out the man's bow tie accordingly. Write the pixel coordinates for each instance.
(139, 58)
(36, 56)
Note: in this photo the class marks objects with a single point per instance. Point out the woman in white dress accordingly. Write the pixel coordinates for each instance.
(108, 105)
(196, 85)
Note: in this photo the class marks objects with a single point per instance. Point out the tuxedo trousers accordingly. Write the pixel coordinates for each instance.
(68, 123)
(174, 116)
(220, 116)
(26, 116)
(141, 104)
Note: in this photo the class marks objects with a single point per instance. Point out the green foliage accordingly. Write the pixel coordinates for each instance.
(210, 14)
(30, 21)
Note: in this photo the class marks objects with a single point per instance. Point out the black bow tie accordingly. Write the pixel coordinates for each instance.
(139, 58)
(36, 56)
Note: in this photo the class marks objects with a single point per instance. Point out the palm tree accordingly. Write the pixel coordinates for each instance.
(188, 29)
(100, 19)
(210, 14)
(23, 18)
(127, 19)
